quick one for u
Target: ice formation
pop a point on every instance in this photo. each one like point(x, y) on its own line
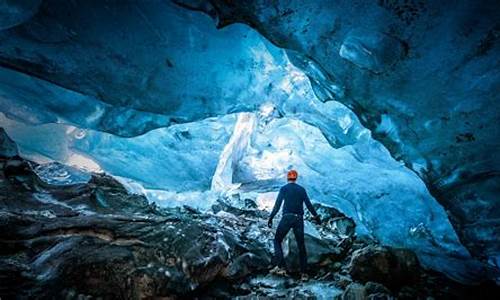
point(383, 115)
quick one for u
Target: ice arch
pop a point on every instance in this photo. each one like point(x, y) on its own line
point(128, 98)
point(388, 202)
point(247, 155)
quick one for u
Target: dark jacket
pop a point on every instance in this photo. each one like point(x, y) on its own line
point(294, 197)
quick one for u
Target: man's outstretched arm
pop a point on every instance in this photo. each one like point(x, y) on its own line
point(277, 206)
point(310, 207)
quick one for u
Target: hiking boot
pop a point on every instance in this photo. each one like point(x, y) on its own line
point(278, 271)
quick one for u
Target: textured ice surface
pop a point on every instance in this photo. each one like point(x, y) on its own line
point(130, 68)
point(233, 151)
point(371, 50)
point(421, 75)
point(167, 66)
point(35, 101)
point(179, 158)
point(386, 200)
point(57, 174)
point(7, 146)
point(15, 12)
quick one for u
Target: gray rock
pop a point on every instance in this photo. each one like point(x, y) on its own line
point(354, 291)
point(374, 288)
point(391, 267)
point(342, 281)
point(370, 290)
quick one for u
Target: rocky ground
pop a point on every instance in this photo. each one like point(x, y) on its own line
point(86, 237)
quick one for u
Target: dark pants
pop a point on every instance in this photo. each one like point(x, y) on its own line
point(295, 222)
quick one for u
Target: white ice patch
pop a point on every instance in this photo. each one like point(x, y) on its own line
point(62, 175)
point(388, 127)
point(202, 200)
point(265, 201)
point(222, 179)
point(83, 162)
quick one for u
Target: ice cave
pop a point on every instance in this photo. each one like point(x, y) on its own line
point(143, 145)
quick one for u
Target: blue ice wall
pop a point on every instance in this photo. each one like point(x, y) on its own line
point(167, 66)
point(149, 92)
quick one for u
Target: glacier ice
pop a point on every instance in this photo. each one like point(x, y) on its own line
point(7, 146)
point(181, 157)
point(57, 174)
point(427, 71)
point(120, 94)
point(35, 101)
point(233, 151)
point(13, 13)
point(245, 155)
point(371, 50)
point(178, 70)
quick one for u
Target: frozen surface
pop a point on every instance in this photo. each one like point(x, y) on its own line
point(247, 155)
point(57, 174)
point(7, 146)
point(179, 158)
point(421, 75)
point(150, 92)
point(35, 101)
point(387, 201)
point(279, 285)
point(13, 13)
point(168, 66)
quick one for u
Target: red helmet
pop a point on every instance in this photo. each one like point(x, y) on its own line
point(292, 175)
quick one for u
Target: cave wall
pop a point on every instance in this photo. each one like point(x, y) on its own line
point(422, 76)
point(128, 67)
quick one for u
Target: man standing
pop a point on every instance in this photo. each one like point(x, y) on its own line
point(294, 197)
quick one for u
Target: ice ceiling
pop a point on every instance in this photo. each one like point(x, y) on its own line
point(154, 94)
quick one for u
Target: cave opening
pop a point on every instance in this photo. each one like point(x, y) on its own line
point(146, 141)
point(243, 157)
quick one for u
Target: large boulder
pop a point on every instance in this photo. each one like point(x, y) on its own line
point(325, 244)
point(335, 221)
point(319, 252)
point(371, 291)
point(125, 255)
point(389, 266)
